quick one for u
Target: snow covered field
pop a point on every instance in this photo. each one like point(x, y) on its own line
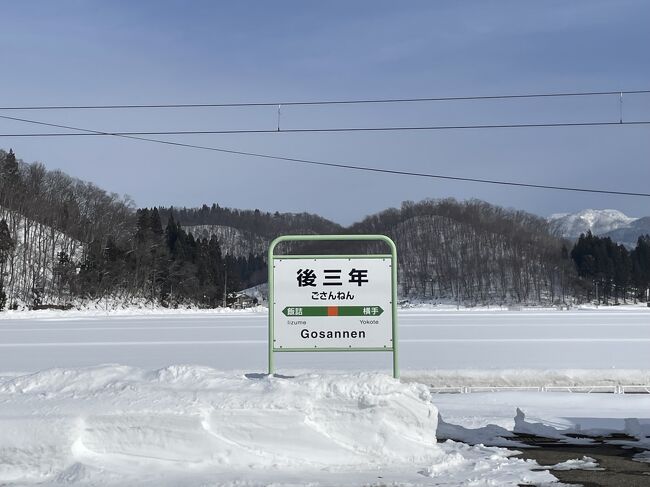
point(65, 419)
point(430, 340)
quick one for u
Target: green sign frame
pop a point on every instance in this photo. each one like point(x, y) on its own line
point(319, 238)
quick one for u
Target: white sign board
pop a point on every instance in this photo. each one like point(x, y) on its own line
point(333, 303)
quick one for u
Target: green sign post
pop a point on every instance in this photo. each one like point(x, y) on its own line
point(331, 303)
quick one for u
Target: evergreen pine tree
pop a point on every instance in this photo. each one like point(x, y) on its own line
point(155, 223)
point(6, 244)
point(10, 180)
point(3, 296)
point(641, 266)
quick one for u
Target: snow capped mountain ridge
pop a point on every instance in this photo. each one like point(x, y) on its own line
point(571, 225)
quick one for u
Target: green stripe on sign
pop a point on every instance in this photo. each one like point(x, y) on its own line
point(332, 311)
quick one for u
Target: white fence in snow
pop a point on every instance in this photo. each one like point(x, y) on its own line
point(600, 389)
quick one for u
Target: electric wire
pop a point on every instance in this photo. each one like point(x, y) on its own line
point(349, 166)
point(324, 129)
point(329, 102)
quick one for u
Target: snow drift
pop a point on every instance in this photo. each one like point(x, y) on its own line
point(182, 425)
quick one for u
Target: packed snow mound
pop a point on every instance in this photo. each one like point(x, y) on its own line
point(598, 221)
point(346, 420)
point(485, 468)
point(186, 425)
point(584, 463)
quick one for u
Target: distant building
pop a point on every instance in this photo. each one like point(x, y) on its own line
point(240, 300)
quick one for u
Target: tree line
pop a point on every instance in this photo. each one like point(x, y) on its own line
point(63, 240)
point(609, 271)
point(261, 223)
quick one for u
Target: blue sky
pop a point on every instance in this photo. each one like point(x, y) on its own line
point(90, 52)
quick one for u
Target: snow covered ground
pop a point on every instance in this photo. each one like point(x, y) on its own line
point(65, 419)
point(183, 425)
point(593, 414)
point(493, 346)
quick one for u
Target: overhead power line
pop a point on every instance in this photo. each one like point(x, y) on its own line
point(349, 166)
point(324, 129)
point(328, 102)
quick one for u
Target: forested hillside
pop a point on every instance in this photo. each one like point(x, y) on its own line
point(49, 224)
point(244, 232)
point(474, 253)
point(256, 222)
point(232, 240)
point(64, 241)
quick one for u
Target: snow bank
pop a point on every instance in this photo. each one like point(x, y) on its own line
point(581, 419)
point(188, 415)
point(637, 430)
point(584, 463)
point(485, 466)
point(185, 425)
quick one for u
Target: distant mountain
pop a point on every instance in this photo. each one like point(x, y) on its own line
point(571, 225)
point(629, 235)
point(609, 223)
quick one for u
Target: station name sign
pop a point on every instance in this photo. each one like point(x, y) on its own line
point(332, 303)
